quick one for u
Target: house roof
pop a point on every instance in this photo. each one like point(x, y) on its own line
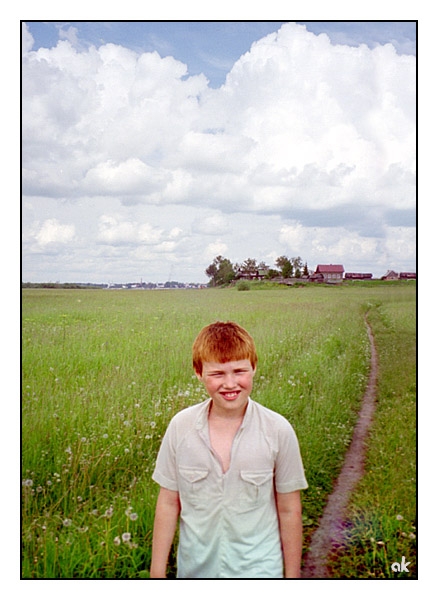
point(329, 269)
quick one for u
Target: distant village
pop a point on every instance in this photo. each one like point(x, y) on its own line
point(324, 274)
point(331, 274)
point(328, 274)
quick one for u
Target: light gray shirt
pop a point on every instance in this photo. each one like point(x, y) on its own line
point(228, 522)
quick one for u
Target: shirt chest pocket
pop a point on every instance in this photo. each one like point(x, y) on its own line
point(193, 486)
point(256, 488)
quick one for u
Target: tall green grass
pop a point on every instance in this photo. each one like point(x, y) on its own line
point(382, 524)
point(103, 373)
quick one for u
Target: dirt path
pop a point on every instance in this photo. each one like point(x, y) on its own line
point(331, 525)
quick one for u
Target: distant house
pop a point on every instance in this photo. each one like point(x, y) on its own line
point(408, 276)
point(317, 277)
point(251, 274)
point(328, 273)
point(390, 276)
point(358, 276)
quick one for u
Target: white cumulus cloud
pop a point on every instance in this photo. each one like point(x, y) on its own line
point(54, 232)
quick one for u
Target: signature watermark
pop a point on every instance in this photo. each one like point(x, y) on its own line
point(400, 567)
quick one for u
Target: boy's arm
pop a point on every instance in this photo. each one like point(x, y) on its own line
point(291, 532)
point(166, 518)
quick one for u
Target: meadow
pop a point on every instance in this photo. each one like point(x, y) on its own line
point(104, 371)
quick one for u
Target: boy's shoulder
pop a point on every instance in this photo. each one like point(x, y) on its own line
point(190, 414)
point(271, 417)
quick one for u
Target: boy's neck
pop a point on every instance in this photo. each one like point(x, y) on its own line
point(216, 412)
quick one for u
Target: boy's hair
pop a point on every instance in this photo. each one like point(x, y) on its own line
point(223, 342)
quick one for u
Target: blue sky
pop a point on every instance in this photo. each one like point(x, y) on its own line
point(212, 47)
point(149, 148)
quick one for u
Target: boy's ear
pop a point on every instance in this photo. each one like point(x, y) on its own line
point(198, 375)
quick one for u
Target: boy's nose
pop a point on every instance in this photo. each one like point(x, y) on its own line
point(229, 382)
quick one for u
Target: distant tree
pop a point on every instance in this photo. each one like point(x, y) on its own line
point(220, 271)
point(211, 270)
point(305, 271)
point(250, 264)
point(285, 265)
point(297, 273)
point(272, 273)
point(297, 263)
point(226, 273)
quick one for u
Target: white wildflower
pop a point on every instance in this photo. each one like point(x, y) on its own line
point(117, 540)
point(126, 537)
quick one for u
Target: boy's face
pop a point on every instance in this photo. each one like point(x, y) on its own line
point(228, 384)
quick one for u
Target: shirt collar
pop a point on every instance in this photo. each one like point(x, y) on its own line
point(202, 419)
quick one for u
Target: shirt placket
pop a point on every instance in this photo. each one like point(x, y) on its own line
point(224, 480)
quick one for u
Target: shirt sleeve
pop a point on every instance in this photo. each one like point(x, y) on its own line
point(289, 470)
point(165, 468)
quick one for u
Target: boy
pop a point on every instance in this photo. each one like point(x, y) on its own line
point(231, 470)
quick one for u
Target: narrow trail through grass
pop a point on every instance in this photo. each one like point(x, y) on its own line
point(329, 533)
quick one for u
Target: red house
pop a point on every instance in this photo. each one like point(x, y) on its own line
point(329, 273)
point(390, 275)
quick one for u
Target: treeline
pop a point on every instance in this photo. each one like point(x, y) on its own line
point(222, 271)
point(64, 286)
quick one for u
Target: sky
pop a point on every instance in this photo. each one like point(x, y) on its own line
point(149, 148)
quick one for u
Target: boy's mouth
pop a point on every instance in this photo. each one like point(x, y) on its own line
point(230, 395)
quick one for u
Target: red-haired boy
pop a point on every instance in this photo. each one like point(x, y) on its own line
point(231, 470)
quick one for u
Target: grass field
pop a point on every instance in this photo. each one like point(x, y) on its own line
point(382, 526)
point(104, 371)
